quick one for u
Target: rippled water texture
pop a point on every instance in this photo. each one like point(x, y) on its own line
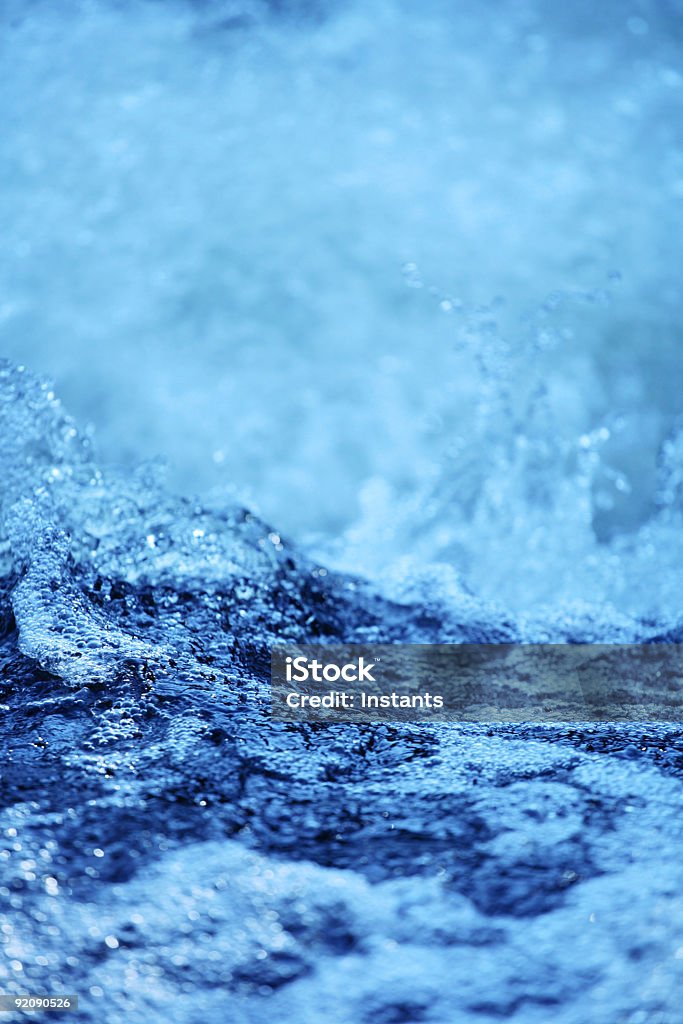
point(394, 292)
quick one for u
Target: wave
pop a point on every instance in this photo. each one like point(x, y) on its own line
point(165, 840)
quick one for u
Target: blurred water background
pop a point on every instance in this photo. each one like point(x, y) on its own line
point(405, 278)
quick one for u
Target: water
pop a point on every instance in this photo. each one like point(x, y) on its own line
point(319, 256)
point(368, 321)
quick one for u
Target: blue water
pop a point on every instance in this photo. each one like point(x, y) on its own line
point(368, 319)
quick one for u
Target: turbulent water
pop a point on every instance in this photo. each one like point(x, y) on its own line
point(403, 280)
point(167, 849)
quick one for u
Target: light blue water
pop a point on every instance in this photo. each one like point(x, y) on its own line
point(406, 279)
